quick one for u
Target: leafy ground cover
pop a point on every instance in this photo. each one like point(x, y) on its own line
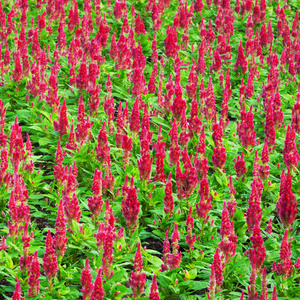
point(149, 149)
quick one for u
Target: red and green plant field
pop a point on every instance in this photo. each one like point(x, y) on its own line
point(149, 149)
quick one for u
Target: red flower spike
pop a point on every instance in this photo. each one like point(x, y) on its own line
point(269, 227)
point(171, 46)
point(296, 113)
point(258, 251)
point(174, 147)
point(218, 269)
point(135, 118)
point(166, 249)
point(290, 153)
point(264, 288)
point(286, 205)
point(168, 199)
point(131, 207)
point(225, 223)
point(274, 294)
point(50, 260)
point(210, 107)
point(212, 283)
point(34, 274)
point(174, 258)
point(62, 124)
point(138, 260)
point(60, 239)
point(139, 26)
point(153, 295)
point(241, 61)
point(204, 205)
point(98, 291)
point(263, 35)
point(284, 267)
point(17, 292)
point(245, 128)
point(190, 238)
point(252, 294)
point(269, 128)
point(107, 256)
point(179, 105)
point(160, 154)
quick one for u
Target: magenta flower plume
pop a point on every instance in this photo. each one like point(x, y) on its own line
point(254, 212)
point(204, 205)
point(241, 60)
point(34, 274)
point(131, 207)
point(168, 199)
point(212, 283)
point(286, 205)
point(95, 202)
point(86, 281)
point(17, 292)
point(290, 153)
point(190, 238)
point(153, 295)
point(62, 124)
point(284, 267)
point(218, 269)
point(135, 124)
point(137, 279)
point(174, 147)
point(174, 258)
point(98, 291)
point(50, 260)
point(60, 239)
point(258, 250)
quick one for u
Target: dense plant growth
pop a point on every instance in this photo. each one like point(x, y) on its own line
point(149, 149)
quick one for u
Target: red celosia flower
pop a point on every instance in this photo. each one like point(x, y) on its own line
point(187, 181)
point(107, 256)
point(284, 267)
point(252, 293)
point(290, 153)
point(131, 207)
point(174, 258)
point(145, 162)
point(137, 279)
point(241, 61)
point(239, 166)
point(263, 35)
point(171, 46)
point(62, 124)
point(86, 281)
point(168, 199)
point(286, 205)
point(179, 104)
point(50, 260)
point(139, 26)
point(98, 292)
point(17, 292)
point(204, 205)
point(218, 269)
point(210, 107)
point(245, 128)
point(153, 295)
point(95, 203)
point(190, 238)
point(60, 239)
point(219, 157)
point(34, 274)
point(254, 212)
point(258, 251)
point(160, 155)
point(135, 118)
